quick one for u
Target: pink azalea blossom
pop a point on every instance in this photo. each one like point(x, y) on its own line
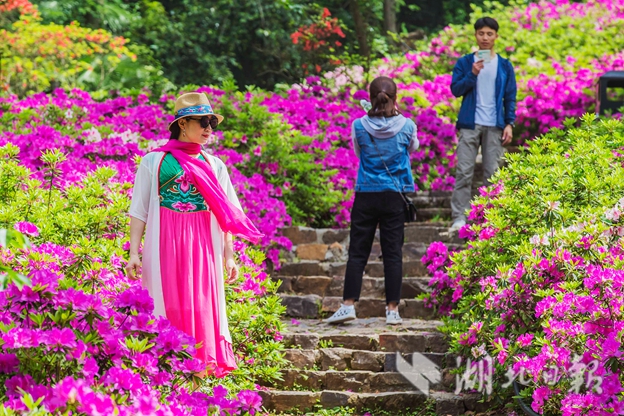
point(27, 228)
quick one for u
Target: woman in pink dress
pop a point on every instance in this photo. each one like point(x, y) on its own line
point(185, 202)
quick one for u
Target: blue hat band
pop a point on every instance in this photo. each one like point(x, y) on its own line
point(196, 109)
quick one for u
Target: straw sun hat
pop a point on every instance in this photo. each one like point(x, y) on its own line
point(193, 104)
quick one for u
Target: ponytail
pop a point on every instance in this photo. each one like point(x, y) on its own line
point(383, 95)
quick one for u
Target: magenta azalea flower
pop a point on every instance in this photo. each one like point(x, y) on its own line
point(9, 363)
point(250, 401)
point(487, 233)
point(27, 228)
point(59, 339)
point(525, 340)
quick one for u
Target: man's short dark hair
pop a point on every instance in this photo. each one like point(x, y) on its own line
point(486, 22)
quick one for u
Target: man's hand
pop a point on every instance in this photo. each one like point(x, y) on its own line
point(477, 67)
point(133, 268)
point(507, 135)
point(232, 271)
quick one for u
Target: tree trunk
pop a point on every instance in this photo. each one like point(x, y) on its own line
point(360, 27)
point(390, 16)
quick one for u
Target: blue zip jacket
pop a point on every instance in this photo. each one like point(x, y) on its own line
point(395, 137)
point(464, 85)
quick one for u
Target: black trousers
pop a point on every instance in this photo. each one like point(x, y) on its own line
point(370, 209)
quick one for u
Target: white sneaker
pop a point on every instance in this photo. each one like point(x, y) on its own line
point(393, 317)
point(343, 314)
point(457, 224)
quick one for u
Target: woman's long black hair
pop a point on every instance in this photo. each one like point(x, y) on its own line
point(175, 130)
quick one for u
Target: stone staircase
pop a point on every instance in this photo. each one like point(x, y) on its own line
point(354, 365)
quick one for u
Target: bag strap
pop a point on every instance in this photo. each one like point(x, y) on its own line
point(387, 170)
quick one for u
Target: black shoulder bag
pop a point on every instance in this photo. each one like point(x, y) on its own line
point(410, 208)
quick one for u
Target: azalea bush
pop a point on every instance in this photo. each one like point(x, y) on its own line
point(62, 329)
point(111, 133)
point(10, 10)
point(290, 153)
point(320, 42)
point(559, 50)
point(254, 312)
point(312, 109)
point(41, 57)
point(262, 146)
point(539, 287)
point(551, 86)
point(87, 342)
point(437, 259)
point(90, 214)
point(535, 35)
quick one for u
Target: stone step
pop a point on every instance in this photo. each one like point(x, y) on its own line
point(388, 342)
point(410, 268)
point(430, 214)
point(425, 200)
point(442, 199)
point(433, 195)
point(341, 359)
point(413, 251)
point(418, 236)
point(356, 381)
point(372, 287)
point(373, 268)
point(306, 235)
point(426, 233)
point(328, 236)
point(362, 334)
point(314, 306)
point(361, 326)
point(410, 251)
point(340, 253)
point(399, 402)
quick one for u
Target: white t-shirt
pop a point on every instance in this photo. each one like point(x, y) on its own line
point(486, 93)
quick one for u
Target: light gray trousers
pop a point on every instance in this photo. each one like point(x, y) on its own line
point(489, 138)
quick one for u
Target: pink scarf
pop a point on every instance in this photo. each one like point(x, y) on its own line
point(231, 219)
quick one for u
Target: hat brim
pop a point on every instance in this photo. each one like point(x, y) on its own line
point(175, 120)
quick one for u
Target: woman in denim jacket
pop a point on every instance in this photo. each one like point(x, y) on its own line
point(382, 133)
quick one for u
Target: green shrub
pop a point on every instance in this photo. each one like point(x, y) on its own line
point(90, 218)
point(41, 57)
point(554, 33)
point(281, 153)
point(539, 236)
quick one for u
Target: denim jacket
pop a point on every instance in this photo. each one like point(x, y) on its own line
point(464, 84)
point(395, 138)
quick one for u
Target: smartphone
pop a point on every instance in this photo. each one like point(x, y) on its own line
point(484, 55)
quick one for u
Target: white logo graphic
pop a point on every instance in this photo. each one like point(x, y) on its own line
point(420, 373)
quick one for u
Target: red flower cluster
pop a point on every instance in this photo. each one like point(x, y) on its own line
point(319, 34)
point(24, 6)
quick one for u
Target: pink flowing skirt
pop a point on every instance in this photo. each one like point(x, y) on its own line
point(189, 284)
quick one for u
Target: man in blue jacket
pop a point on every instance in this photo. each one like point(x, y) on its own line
point(487, 83)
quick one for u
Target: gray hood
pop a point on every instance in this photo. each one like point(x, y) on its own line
point(383, 127)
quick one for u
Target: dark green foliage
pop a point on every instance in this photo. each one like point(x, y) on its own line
point(199, 42)
point(431, 16)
